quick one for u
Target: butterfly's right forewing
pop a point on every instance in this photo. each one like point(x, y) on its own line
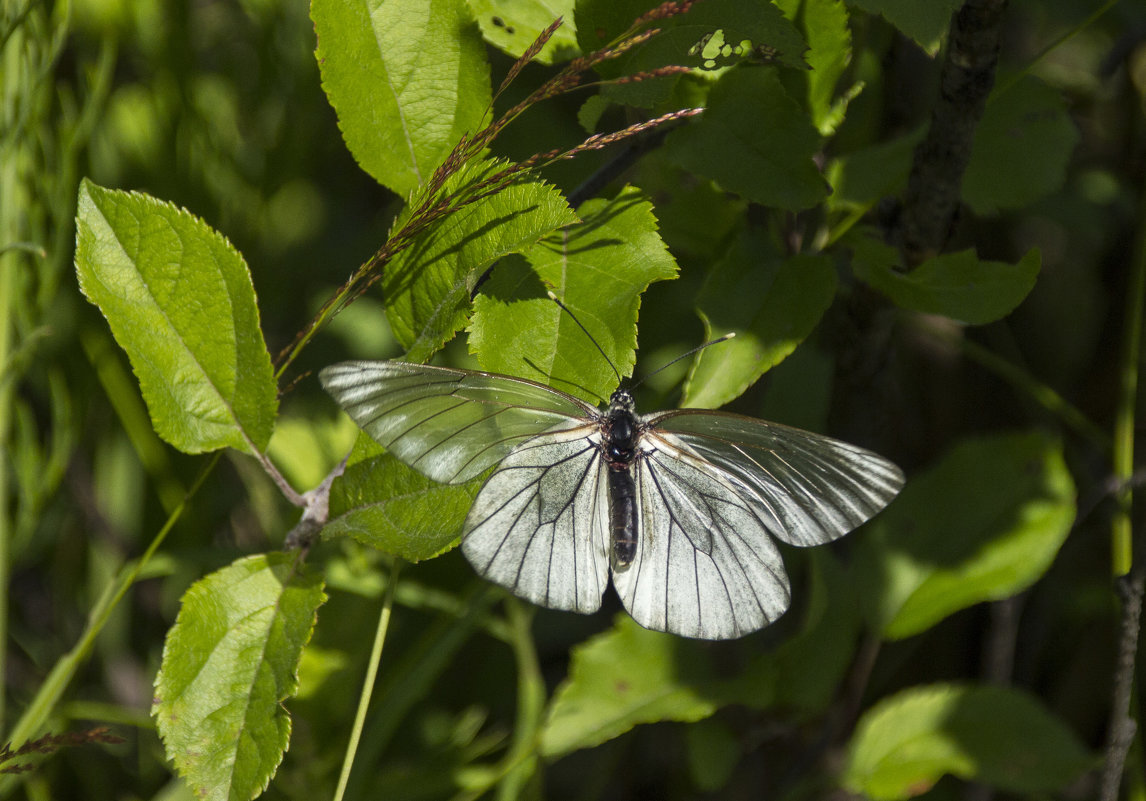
point(539, 525)
point(450, 425)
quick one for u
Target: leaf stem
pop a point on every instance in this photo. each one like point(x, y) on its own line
point(368, 682)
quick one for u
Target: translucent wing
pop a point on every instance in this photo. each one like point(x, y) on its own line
point(450, 425)
point(705, 565)
point(538, 526)
point(807, 489)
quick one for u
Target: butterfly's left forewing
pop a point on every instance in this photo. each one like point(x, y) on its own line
point(705, 565)
point(451, 425)
point(539, 525)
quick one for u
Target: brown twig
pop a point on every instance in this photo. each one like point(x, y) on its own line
point(1120, 733)
point(966, 79)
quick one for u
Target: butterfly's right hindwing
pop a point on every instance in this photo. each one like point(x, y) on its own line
point(539, 525)
point(450, 425)
point(705, 565)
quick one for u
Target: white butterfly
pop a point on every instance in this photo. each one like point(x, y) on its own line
point(680, 507)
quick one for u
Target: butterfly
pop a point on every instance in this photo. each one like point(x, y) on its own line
point(681, 508)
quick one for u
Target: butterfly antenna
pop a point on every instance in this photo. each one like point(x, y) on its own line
point(601, 350)
point(716, 341)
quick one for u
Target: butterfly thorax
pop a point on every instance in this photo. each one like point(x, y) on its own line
point(622, 429)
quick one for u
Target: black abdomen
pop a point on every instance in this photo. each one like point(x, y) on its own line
point(623, 514)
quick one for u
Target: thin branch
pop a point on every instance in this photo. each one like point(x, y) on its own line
point(1120, 733)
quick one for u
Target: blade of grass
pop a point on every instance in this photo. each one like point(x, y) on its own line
point(1123, 457)
point(38, 712)
point(368, 681)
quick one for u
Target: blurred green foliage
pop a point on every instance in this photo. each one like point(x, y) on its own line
point(219, 108)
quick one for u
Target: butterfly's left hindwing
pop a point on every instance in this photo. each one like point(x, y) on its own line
point(539, 525)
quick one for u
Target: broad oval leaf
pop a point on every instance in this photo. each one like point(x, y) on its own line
point(983, 524)
point(622, 678)
point(180, 302)
point(406, 77)
point(755, 140)
point(427, 286)
point(229, 662)
point(996, 736)
point(1021, 149)
point(771, 303)
point(956, 285)
point(386, 505)
point(599, 269)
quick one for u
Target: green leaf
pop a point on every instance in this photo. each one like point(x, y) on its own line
point(388, 506)
point(179, 300)
point(824, 23)
point(1021, 150)
point(599, 270)
point(926, 23)
point(623, 678)
point(696, 218)
point(229, 662)
point(754, 140)
point(713, 751)
point(769, 302)
point(956, 285)
point(983, 524)
point(712, 35)
point(406, 77)
point(427, 286)
point(996, 736)
point(513, 25)
point(863, 177)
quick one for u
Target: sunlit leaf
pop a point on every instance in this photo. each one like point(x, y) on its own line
point(996, 736)
point(229, 662)
point(984, 523)
point(393, 508)
point(512, 26)
point(623, 678)
point(771, 303)
point(598, 269)
point(179, 300)
point(407, 79)
point(427, 286)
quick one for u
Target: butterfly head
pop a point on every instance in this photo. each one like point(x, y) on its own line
point(621, 400)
